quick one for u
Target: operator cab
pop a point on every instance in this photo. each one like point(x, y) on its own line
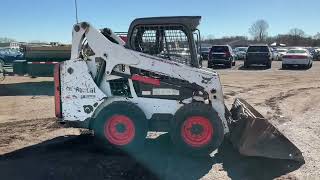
point(174, 38)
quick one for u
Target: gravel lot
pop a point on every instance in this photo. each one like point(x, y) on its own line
point(34, 146)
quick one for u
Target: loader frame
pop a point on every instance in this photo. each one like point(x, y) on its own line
point(82, 98)
point(121, 92)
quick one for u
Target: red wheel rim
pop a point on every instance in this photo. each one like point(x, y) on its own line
point(197, 131)
point(119, 130)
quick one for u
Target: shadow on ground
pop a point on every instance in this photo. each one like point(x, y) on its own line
point(27, 89)
point(75, 157)
point(295, 68)
point(220, 67)
point(253, 68)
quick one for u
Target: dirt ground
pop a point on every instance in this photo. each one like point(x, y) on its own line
point(34, 146)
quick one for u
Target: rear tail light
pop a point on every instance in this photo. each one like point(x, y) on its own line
point(227, 54)
point(57, 91)
point(294, 57)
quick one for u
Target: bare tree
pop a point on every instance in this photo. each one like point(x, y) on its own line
point(317, 36)
point(258, 30)
point(210, 36)
point(297, 33)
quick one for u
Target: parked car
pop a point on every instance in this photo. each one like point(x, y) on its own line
point(7, 55)
point(240, 52)
point(2, 71)
point(205, 52)
point(258, 54)
point(275, 54)
point(221, 54)
point(281, 52)
point(312, 51)
point(300, 57)
point(317, 54)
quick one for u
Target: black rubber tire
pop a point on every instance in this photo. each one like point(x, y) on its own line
point(134, 113)
point(229, 64)
point(283, 66)
point(304, 66)
point(246, 65)
point(196, 109)
point(269, 64)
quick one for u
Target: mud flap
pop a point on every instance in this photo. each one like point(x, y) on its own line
point(253, 135)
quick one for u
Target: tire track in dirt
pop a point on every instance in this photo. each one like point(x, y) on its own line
point(243, 90)
point(18, 130)
point(274, 101)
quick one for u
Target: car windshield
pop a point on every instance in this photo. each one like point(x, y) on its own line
point(205, 49)
point(258, 49)
point(296, 51)
point(169, 42)
point(220, 49)
point(241, 49)
point(282, 50)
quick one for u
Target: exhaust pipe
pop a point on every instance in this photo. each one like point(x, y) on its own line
point(253, 135)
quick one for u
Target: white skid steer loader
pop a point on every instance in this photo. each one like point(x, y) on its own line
point(121, 90)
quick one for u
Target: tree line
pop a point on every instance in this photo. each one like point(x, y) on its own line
point(9, 40)
point(6, 40)
point(259, 33)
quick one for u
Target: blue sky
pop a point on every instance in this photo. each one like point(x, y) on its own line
point(52, 20)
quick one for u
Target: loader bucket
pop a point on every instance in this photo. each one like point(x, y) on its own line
point(253, 135)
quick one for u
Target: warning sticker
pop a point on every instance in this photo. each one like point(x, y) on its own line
point(165, 92)
point(146, 93)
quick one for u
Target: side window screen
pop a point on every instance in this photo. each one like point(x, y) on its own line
point(169, 42)
point(148, 42)
point(149, 36)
